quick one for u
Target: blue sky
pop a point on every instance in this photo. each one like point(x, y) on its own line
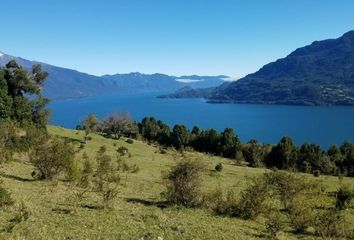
point(207, 37)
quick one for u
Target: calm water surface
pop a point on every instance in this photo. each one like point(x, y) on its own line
point(266, 123)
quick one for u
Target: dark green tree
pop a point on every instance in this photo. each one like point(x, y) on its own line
point(24, 94)
point(180, 136)
point(283, 155)
point(229, 143)
point(5, 99)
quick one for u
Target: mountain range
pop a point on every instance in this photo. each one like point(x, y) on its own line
point(321, 73)
point(67, 83)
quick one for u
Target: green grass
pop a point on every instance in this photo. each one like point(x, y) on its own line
point(54, 215)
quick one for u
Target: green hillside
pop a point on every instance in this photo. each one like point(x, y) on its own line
point(55, 214)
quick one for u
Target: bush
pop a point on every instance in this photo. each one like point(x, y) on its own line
point(330, 224)
point(218, 167)
point(287, 185)
point(52, 157)
point(343, 197)
point(224, 204)
point(316, 173)
point(183, 183)
point(130, 141)
point(274, 224)
point(8, 140)
point(122, 151)
point(302, 212)
point(5, 197)
point(253, 199)
point(106, 179)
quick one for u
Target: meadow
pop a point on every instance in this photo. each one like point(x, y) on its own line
point(137, 213)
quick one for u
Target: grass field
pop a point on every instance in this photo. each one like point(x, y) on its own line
point(135, 214)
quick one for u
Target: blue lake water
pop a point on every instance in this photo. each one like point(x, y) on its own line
point(265, 123)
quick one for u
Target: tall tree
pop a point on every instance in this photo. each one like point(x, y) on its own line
point(23, 94)
point(283, 155)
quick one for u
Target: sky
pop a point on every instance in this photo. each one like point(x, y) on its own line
point(176, 37)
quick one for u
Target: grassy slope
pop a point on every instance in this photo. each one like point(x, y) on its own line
point(132, 216)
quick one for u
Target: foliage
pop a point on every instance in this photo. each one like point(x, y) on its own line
point(183, 183)
point(254, 153)
point(119, 125)
point(253, 199)
point(8, 140)
point(52, 157)
point(218, 167)
point(20, 95)
point(106, 179)
point(330, 224)
point(274, 224)
point(302, 212)
point(283, 155)
point(90, 124)
point(5, 197)
point(344, 196)
point(288, 185)
point(122, 151)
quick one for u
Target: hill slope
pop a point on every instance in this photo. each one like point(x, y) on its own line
point(54, 213)
point(319, 74)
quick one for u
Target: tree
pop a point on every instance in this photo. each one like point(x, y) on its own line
point(90, 124)
point(348, 163)
point(20, 95)
point(180, 136)
point(253, 154)
point(119, 125)
point(310, 157)
point(283, 155)
point(336, 157)
point(5, 99)
point(229, 144)
point(164, 133)
point(149, 128)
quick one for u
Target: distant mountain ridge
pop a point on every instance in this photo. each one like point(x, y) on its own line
point(68, 83)
point(318, 74)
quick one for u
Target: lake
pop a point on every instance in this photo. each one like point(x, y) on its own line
point(265, 123)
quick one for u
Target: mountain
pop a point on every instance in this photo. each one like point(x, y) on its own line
point(319, 74)
point(68, 83)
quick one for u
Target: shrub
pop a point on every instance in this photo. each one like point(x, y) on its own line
point(330, 224)
point(287, 185)
point(52, 157)
point(253, 199)
point(274, 224)
point(122, 151)
point(316, 173)
point(5, 197)
point(106, 178)
point(343, 197)
point(225, 204)
point(218, 167)
point(183, 183)
point(8, 140)
point(21, 214)
point(301, 212)
point(130, 141)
